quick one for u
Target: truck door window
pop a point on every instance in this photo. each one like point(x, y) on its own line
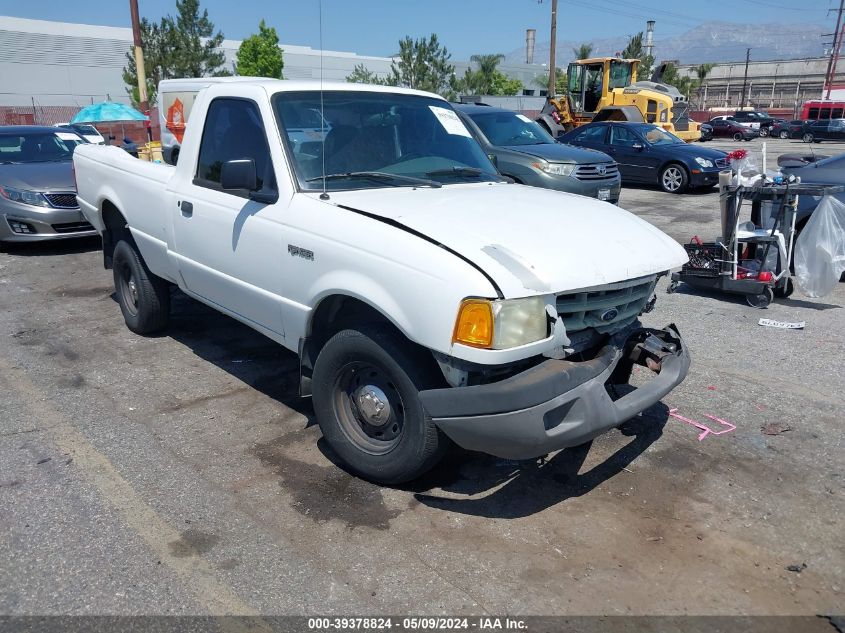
point(233, 130)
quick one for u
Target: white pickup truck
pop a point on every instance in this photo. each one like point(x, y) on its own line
point(428, 298)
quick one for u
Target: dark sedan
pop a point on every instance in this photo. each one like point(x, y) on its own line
point(733, 129)
point(830, 130)
point(787, 129)
point(649, 154)
point(706, 132)
point(37, 192)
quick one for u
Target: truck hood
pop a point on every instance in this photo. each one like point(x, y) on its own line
point(561, 153)
point(529, 240)
point(38, 176)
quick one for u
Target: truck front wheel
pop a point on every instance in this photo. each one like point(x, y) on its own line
point(365, 388)
point(143, 297)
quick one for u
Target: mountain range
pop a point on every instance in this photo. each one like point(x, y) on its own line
point(709, 42)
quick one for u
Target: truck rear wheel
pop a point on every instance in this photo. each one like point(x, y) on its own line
point(365, 387)
point(144, 298)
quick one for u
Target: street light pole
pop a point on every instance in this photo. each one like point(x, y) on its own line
point(552, 46)
point(139, 61)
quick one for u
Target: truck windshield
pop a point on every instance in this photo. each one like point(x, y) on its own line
point(418, 139)
point(620, 75)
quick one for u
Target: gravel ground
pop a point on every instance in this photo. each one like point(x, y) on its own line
point(180, 474)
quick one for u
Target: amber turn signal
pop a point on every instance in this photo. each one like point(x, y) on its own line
point(474, 325)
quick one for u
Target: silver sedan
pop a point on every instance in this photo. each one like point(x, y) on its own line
point(37, 191)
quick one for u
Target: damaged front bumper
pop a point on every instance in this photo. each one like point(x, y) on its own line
point(559, 403)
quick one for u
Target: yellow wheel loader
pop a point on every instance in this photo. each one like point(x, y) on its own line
point(606, 88)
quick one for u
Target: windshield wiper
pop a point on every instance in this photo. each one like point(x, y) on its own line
point(456, 170)
point(379, 175)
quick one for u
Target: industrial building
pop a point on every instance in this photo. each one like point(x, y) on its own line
point(47, 65)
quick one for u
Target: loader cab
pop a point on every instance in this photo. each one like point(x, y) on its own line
point(590, 80)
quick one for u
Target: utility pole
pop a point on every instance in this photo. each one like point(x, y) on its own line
point(745, 79)
point(837, 42)
point(552, 47)
point(139, 60)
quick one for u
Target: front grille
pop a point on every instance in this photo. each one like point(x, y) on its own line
point(72, 227)
point(723, 163)
point(583, 310)
point(62, 200)
point(680, 116)
point(594, 171)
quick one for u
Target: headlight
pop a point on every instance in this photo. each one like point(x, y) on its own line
point(555, 169)
point(704, 162)
point(501, 324)
point(32, 198)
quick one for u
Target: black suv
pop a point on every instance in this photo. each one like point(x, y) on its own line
point(750, 116)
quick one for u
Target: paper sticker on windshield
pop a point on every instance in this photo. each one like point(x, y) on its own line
point(67, 136)
point(522, 117)
point(450, 121)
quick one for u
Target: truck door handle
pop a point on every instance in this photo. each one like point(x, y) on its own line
point(187, 208)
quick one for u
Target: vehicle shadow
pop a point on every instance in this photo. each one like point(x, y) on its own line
point(738, 299)
point(57, 247)
point(698, 191)
point(239, 350)
point(522, 489)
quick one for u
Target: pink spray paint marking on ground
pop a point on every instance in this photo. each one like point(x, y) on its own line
point(705, 430)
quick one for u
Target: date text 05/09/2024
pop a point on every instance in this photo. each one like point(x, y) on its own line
point(485, 623)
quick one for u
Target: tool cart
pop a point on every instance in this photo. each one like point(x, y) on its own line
point(751, 258)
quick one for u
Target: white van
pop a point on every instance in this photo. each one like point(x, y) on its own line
point(175, 101)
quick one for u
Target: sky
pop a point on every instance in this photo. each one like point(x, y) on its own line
point(465, 27)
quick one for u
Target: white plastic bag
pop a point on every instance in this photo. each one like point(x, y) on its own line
point(820, 249)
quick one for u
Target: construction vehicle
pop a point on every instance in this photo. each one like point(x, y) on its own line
point(606, 88)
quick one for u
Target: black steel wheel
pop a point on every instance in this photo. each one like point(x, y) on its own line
point(762, 300)
point(143, 297)
point(366, 384)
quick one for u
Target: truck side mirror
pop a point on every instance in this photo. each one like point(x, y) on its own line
point(239, 174)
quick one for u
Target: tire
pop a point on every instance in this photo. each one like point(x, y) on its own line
point(359, 374)
point(764, 132)
point(807, 138)
point(143, 297)
point(786, 291)
point(737, 136)
point(174, 156)
point(674, 178)
point(762, 300)
point(783, 134)
point(672, 287)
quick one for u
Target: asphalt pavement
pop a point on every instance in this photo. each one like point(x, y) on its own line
point(181, 474)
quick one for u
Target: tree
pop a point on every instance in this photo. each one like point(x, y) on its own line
point(561, 84)
point(584, 51)
point(174, 48)
point(423, 64)
point(635, 50)
point(156, 65)
point(259, 55)
point(684, 83)
point(193, 57)
point(701, 72)
point(501, 84)
point(361, 75)
point(486, 68)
